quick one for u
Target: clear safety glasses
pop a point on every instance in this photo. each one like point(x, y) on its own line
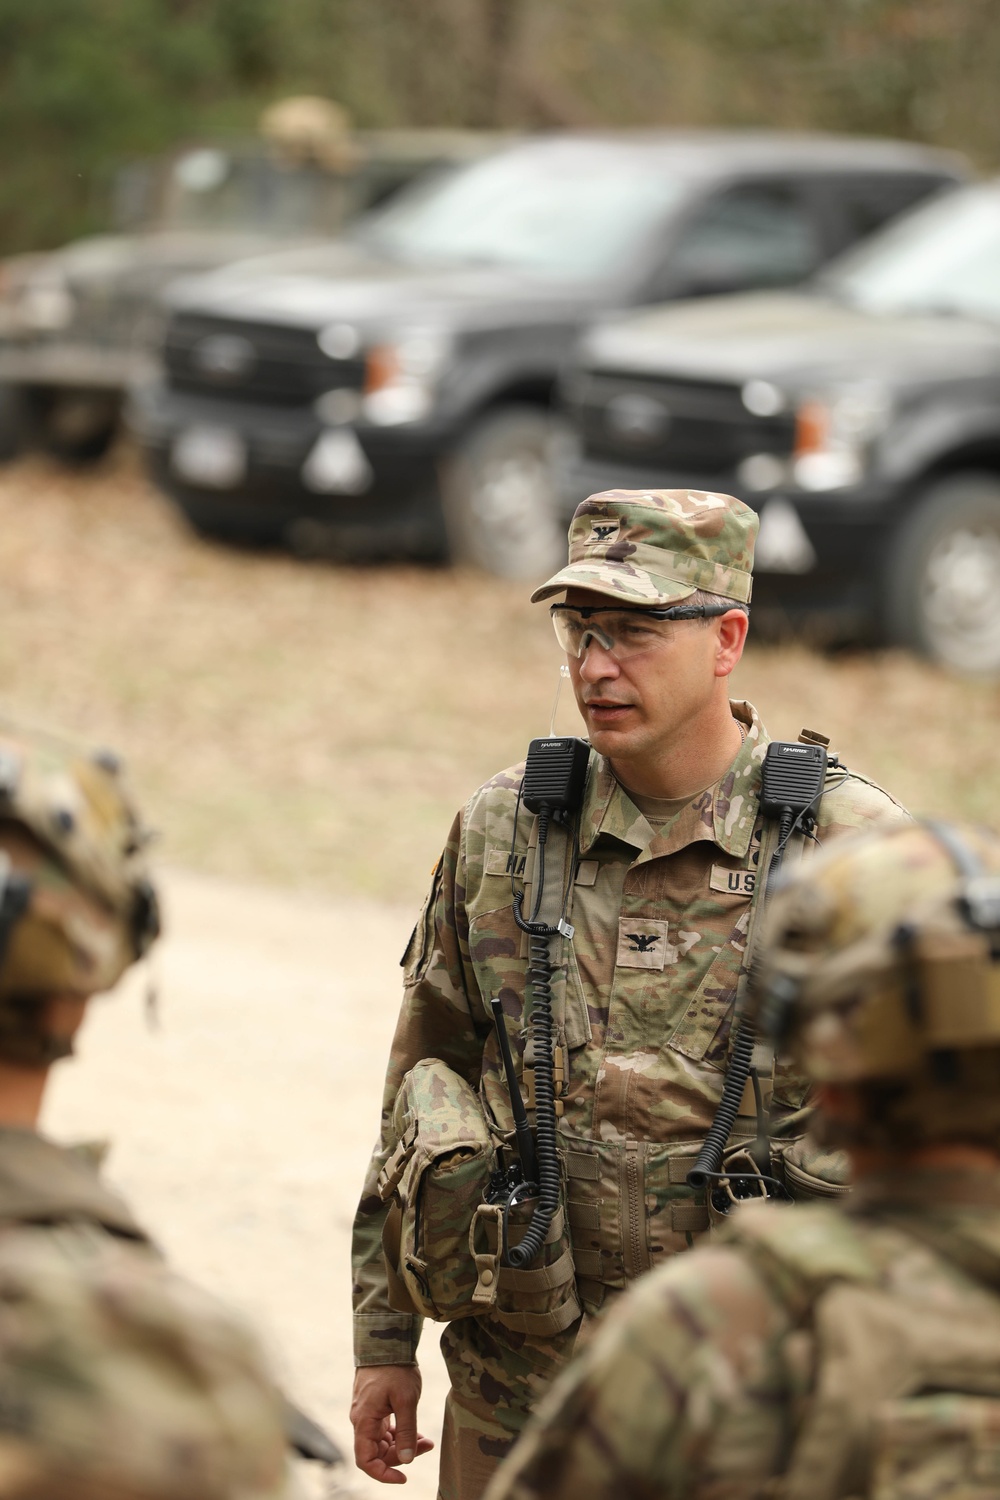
point(621, 630)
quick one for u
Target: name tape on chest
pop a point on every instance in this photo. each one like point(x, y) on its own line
point(502, 862)
point(733, 882)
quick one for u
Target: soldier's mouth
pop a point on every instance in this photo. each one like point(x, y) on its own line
point(607, 712)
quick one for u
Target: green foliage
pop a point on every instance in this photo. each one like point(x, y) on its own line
point(85, 84)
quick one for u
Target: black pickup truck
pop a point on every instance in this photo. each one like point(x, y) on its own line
point(390, 393)
point(861, 417)
point(77, 325)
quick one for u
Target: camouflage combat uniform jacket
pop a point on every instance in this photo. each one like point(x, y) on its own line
point(810, 1353)
point(643, 1006)
point(116, 1377)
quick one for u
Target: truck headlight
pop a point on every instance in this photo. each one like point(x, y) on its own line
point(46, 306)
point(401, 377)
point(834, 434)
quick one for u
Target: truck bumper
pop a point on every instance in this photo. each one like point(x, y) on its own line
point(285, 477)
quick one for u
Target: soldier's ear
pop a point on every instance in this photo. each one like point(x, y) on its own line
point(731, 637)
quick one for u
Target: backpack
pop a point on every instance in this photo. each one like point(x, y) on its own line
point(905, 1398)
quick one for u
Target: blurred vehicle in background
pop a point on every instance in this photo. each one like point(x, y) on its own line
point(861, 417)
point(392, 393)
point(77, 325)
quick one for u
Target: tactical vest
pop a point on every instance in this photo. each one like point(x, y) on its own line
point(905, 1398)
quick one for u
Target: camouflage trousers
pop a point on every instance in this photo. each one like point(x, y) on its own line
point(497, 1378)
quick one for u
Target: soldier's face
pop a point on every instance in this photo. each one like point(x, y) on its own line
point(637, 708)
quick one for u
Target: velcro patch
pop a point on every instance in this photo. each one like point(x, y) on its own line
point(733, 882)
point(603, 531)
point(502, 862)
point(643, 945)
point(586, 871)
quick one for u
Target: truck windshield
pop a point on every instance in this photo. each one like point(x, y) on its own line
point(562, 211)
point(211, 189)
point(942, 259)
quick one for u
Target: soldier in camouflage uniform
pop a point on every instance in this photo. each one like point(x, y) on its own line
point(670, 838)
point(116, 1378)
point(814, 1353)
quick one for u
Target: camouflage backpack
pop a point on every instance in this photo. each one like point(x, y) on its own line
point(905, 1397)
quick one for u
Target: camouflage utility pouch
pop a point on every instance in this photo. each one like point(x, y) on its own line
point(434, 1180)
point(540, 1300)
point(812, 1173)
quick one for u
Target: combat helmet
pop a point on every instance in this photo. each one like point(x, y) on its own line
point(880, 968)
point(77, 906)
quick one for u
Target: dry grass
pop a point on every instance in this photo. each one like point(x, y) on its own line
point(315, 725)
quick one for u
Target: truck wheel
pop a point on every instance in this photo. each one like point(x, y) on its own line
point(944, 575)
point(78, 429)
point(13, 422)
point(499, 492)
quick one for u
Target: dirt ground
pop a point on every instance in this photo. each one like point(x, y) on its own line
point(302, 735)
point(241, 1127)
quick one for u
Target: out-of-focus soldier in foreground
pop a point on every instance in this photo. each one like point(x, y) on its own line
point(830, 1351)
point(117, 1379)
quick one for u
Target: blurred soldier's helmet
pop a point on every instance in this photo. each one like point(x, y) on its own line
point(880, 967)
point(309, 128)
point(76, 903)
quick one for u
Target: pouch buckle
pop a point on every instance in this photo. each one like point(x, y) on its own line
point(487, 1262)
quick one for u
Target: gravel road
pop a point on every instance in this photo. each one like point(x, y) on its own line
point(240, 1128)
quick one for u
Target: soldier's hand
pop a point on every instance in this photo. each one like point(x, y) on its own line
point(384, 1417)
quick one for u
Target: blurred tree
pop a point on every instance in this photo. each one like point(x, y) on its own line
point(86, 83)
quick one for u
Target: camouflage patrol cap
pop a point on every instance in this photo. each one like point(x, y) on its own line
point(658, 546)
point(881, 964)
point(76, 903)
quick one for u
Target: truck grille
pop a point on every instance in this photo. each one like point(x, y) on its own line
point(253, 361)
point(692, 426)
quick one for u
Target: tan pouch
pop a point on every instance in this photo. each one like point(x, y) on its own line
point(812, 1173)
point(434, 1181)
point(539, 1301)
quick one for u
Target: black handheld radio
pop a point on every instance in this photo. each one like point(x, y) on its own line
point(555, 773)
point(792, 781)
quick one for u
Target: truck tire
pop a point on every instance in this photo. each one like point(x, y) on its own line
point(77, 428)
point(13, 422)
point(943, 579)
point(499, 491)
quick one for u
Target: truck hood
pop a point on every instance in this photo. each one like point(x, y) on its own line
point(345, 280)
point(792, 339)
point(114, 263)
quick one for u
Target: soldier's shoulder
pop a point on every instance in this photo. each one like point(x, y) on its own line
point(713, 1276)
point(852, 800)
point(124, 1371)
point(802, 1249)
point(496, 797)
